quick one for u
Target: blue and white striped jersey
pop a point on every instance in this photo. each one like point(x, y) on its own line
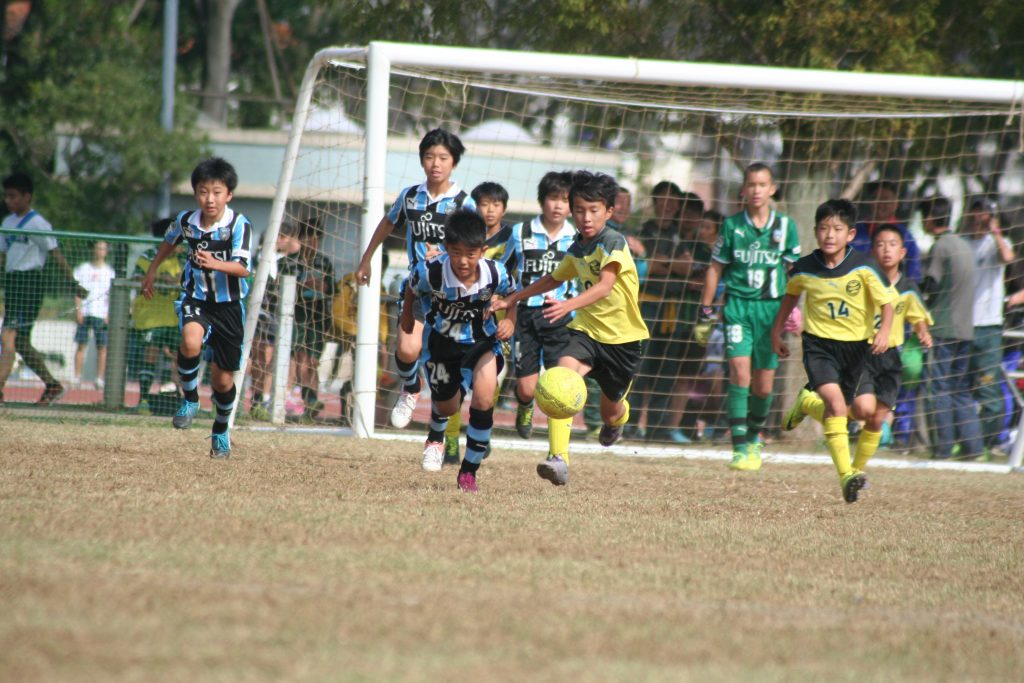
point(539, 255)
point(456, 311)
point(423, 217)
point(229, 240)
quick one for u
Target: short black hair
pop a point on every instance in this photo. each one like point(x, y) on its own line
point(554, 182)
point(843, 209)
point(490, 190)
point(666, 188)
point(448, 140)
point(465, 227)
point(936, 208)
point(593, 187)
point(716, 217)
point(309, 226)
point(215, 168)
point(872, 188)
point(691, 201)
point(21, 182)
point(755, 168)
point(158, 228)
point(887, 227)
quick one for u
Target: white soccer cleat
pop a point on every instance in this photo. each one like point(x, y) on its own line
point(401, 414)
point(433, 456)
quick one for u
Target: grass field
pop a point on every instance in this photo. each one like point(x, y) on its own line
point(127, 555)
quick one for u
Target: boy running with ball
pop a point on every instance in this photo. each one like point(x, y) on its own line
point(463, 348)
point(607, 334)
point(844, 289)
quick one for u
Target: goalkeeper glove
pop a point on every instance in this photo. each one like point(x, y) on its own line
point(706, 321)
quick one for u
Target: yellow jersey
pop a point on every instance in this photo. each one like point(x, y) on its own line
point(840, 302)
point(614, 319)
point(159, 311)
point(908, 308)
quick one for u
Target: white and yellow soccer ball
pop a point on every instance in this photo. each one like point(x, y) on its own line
point(561, 393)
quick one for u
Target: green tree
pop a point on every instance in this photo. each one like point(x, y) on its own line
point(79, 110)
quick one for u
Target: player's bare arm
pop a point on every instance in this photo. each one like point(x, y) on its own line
point(711, 279)
point(165, 250)
point(384, 228)
point(881, 343)
point(544, 284)
point(555, 310)
point(789, 302)
point(923, 334)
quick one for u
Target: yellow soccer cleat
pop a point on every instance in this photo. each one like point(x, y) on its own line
point(739, 461)
point(795, 415)
point(753, 456)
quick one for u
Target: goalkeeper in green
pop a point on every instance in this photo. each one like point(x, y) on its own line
point(754, 251)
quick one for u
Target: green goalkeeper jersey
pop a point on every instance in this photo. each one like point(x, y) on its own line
point(756, 260)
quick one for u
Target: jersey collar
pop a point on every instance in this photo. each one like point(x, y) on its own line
point(750, 221)
point(196, 219)
point(537, 228)
point(450, 280)
point(452, 191)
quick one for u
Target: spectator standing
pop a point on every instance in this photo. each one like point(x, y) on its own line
point(882, 202)
point(992, 253)
point(93, 311)
point(24, 257)
point(949, 276)
point(313, 314)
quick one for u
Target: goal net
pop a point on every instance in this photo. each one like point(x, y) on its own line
point(677, 137)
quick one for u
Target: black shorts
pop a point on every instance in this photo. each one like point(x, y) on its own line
point(538, 341)
point(309, 334)
point(614, 365)
point(831, 361)
point(882, 376)
point(449, 365)
point(224, 324)
point(23, 297)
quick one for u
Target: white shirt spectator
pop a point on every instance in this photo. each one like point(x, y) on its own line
point(26, 252)
point(97, 280)
point(989, 284)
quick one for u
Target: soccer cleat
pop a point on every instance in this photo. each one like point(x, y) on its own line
point(433, 456)
point(753, 456)
point(609, 435)
point(51, 394)
point(795, 415)
point(143, 407)
point(186, 413)
point(739, 461)
point(467, 482)
point(220, 446)
point(554, 470)
point(524, 420)
point(677, 436)
point(401, 414)
point(451, 451)
point(259, 412)
point(852, 482)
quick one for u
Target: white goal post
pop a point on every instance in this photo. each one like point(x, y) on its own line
point(381, 59)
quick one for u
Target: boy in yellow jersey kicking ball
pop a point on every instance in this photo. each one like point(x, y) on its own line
point(880, 383)
point(843, 290)
point(606, 338)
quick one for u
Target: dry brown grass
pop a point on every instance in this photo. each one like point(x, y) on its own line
point(127, 555)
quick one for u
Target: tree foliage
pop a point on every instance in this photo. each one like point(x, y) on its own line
point(79, 110)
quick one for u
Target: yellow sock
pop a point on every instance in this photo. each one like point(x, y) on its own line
point(838, 441)
point(867, 445)
point(813, 406)
point(558, 437)
point(625, 415)
point(454, 426)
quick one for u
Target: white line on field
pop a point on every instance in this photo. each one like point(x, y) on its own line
point(636, 451)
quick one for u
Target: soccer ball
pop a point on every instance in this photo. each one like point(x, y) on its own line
point(561, 393)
